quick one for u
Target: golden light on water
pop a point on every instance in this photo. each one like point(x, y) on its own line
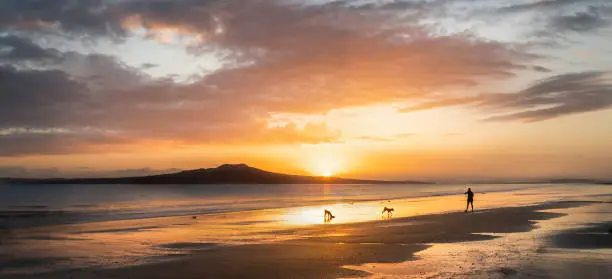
point(343, 212)
point(351, 212)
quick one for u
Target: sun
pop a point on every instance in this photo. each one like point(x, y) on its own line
point(325, 165)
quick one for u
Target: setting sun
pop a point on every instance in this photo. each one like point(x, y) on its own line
point(325, 164)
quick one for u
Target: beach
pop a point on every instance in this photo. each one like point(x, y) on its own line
point(305, 139)
point(518, 232)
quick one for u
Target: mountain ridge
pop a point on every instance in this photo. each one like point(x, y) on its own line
point(223, 174)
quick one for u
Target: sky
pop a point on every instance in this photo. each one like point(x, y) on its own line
point(386, 89)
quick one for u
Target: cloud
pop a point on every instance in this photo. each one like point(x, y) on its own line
point(386, 139)
point(290, 133)
point(439, 103)
point(100, 72)
point(557, 96)
point(542, 5)
point(148, 66)
point(34, 98)
point(14, 48)
point(541, 69)
point(370, 138)
point(582, 21)
point(552, 18)
point(281, 58)
point(87, 17)
point(552, 97)
point(60, 142)
point(48, 112)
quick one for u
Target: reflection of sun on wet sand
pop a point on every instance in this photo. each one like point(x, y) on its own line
point(328, 248)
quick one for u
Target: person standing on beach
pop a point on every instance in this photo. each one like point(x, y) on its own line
point(470, 199)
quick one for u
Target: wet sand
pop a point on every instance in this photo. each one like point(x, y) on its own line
point(326, 251)
point(594, 236)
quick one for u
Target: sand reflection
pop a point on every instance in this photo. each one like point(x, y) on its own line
point(373, 210)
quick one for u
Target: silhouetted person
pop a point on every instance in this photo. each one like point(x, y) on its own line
point(327, 216)
point(470, 199)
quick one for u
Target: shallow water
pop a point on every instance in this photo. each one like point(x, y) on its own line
point(118, 225)
point(87, 203)
point(514, 255)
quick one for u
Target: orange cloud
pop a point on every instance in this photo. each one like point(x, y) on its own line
point(441, 103)
point(284, 59)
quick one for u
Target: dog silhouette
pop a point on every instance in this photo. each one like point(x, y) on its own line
point(327, 216)
point(388, 210)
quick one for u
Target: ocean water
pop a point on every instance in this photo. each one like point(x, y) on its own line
point(66, 204)
point(53, 227)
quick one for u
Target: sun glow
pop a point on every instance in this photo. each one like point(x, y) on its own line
point(325, 165)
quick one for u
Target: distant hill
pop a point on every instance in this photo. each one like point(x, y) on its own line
point(225, 174)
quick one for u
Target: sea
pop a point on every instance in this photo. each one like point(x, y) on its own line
point(53, 227)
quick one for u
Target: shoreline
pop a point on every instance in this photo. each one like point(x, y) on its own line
point(36, 216)
point(30, 215)
point(325, 250)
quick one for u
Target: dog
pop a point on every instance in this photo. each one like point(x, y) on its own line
point(327, 216)
point(388, 210)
